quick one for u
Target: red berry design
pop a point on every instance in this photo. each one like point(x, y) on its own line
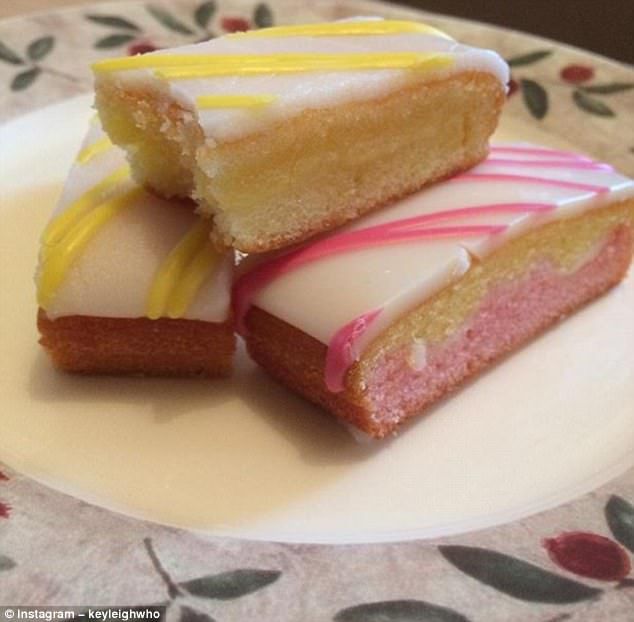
point(5, 510)
point(513, 87)
point(589, 555)
point(576, 74)
point(235, 24)
point(141, 47)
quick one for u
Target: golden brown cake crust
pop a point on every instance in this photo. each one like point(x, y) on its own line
point(297, 360)
point(138, 346)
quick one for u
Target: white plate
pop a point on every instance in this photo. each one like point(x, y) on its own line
point(247, 459)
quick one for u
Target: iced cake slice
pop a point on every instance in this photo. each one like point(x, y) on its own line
point(128, 283)
point(382, 318)
point(285, 132)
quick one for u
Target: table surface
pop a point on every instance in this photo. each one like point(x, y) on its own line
point(562, 21)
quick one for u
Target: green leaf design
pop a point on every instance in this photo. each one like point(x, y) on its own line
point(114, 21)
point(113, 41)
point(399, 611)
point(535, 98)
point(262, 15)
point(25, 78)
point(191, 615)
point(515, 577)
point(592, 105)
point(232, 584)
point(168, 20)
point(9, 56)
point(204, 13)
point(40, 47)
point(620, 516)
point(528, 59)
point(6, 563)
point(608, 89)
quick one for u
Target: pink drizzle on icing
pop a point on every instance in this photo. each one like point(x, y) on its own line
point(538, 151)
point(578, 164)
point(341, 352)
point(573, 185)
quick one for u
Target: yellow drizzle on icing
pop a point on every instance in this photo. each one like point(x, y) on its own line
point(334, 29)
point(92, 151)
point(61, 256)
point(206, 102)
point(197, 272)
point(338, 29)
point(181, 274)
point(297, 63)
point(202, 65)
point(61, 225)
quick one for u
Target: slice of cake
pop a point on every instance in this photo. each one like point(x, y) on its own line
point(380, 319)
point(128, 283)
point(285, 132)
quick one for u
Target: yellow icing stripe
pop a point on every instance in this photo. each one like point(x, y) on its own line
point(153, 61)
point(61, 257)
point(191, 281)
point(338, 29)
point(309, 62)
point(60, 225)
point(367, 27)
point(92, 151)
point(169, 274)
point(205, 102)
point(227, 64)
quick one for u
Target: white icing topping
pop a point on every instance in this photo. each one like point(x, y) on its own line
point(321, 297)
point(296, 92)
point(112, 276)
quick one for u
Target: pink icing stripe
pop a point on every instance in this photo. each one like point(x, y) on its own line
point(379, 236)
point(529, 179)
point(573, 164)
point(537, 151)
point(493, 208)
point(341, 353)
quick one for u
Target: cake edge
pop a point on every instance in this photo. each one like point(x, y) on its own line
point(138, 346)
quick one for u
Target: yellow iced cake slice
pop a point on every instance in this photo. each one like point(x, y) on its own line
point(285, 132)
point(128, 283)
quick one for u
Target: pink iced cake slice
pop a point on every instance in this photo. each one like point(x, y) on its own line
point(382, 318)
point(128, 283)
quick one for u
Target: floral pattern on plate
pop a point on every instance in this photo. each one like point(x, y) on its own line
point(573, 562)
point(586, 94)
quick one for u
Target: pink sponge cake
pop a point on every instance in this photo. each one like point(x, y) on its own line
point(129, 283)
point(380, 319)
